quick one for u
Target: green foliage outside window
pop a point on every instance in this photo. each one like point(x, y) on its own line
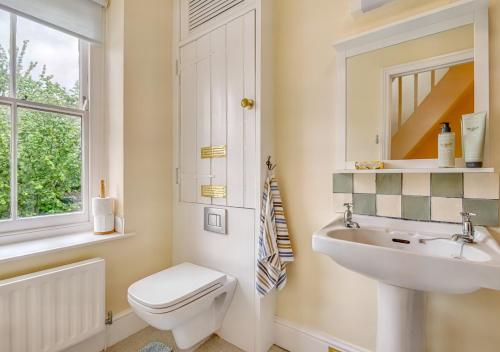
point(48, 144)
point(4, 162)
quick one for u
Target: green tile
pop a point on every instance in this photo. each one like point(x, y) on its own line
point(447, 185)
point(364, 204)
point(342, 183)
point(416, 208)
point(486, 211)
point(389, 184)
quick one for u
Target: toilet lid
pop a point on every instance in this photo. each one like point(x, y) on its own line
point(174, 285)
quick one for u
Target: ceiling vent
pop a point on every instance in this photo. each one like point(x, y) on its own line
point(203, 11)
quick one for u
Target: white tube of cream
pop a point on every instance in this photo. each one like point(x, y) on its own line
point(473, 133)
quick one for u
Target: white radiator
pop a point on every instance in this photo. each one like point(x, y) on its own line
point(50, 310)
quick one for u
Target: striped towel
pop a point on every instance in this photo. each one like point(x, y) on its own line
point(275, 249)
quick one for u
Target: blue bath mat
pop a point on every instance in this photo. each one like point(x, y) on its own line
point(156, 347)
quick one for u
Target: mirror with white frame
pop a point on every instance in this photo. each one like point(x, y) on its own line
point(399, 83)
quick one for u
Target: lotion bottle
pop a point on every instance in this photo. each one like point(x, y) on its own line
point(473, 133)
point(446, 146)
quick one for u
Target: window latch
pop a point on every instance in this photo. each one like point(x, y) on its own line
point(85, 103)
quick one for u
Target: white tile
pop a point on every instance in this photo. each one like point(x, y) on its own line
point(389, 205)
point(364, 183)
point(446, 209)
point(339, 199)
point(481, 185)
point(417, 184)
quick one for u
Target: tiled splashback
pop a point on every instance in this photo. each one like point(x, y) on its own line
point(421, 196)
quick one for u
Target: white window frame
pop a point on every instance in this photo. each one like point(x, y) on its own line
point(54, 224)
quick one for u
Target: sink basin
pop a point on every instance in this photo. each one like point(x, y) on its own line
point(399, 255)
point(391, 251)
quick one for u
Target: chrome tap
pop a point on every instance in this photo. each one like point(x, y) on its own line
point(467, 235)
point(348, 217)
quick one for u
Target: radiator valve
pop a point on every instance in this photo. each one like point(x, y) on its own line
point(109, 318)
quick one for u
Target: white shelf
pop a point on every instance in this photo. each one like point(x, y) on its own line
point(452, 170)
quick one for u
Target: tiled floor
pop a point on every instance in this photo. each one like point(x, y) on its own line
point(135, 342)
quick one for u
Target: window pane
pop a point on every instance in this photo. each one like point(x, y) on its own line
point(48, 67)
point(4, 52)
point(49, 163)
point(4, 162)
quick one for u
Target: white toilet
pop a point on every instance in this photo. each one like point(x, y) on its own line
point(188, 299)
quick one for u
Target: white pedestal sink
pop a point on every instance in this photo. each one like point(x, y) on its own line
point(390, 251)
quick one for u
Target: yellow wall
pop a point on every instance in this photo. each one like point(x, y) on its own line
point(364, 75)
point(113, 85)
point(148, 124)
point(321, 294)
point(140, 57)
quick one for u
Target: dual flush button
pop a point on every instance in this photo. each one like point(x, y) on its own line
point(215, 220)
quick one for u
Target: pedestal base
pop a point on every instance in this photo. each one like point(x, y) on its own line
point(400, 323)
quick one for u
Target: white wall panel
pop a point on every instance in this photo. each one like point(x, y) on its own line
point(232, 254)
point(219, 99)
point(249, 127)
point(203, 127)
point(233, 76)
point(188, 115)
point(235, 114)
point(218, 71)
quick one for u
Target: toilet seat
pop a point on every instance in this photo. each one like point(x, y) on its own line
point(172, 308)
point(175, 287)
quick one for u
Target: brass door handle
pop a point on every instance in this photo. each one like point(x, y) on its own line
point(247, 103)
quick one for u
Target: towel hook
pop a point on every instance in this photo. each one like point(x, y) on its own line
point(270, 166)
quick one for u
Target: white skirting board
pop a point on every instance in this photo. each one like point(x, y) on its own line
point(288, 335)
point(124, 324)
point(296, 338)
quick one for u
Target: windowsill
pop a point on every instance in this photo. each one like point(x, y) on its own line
point(22, 250)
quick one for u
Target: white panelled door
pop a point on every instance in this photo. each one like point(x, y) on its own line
point(217, 72)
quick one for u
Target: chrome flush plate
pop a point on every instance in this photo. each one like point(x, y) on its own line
point(215, 220)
